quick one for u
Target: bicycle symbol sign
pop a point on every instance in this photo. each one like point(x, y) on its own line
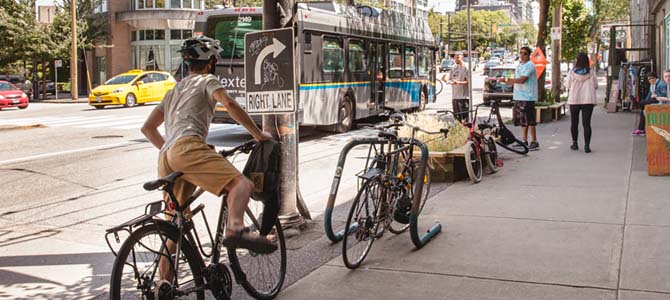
point(269, 71)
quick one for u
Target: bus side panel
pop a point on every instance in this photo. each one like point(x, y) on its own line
point(402, 94)
point(317, 93)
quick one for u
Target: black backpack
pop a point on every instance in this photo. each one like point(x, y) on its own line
point(262, 169)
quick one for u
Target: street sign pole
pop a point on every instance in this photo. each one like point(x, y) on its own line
point(284, 128)
point(470, 62)
point(56, 80)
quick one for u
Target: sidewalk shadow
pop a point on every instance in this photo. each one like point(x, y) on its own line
point(16, 285)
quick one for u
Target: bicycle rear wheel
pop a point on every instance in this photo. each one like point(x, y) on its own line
point(490, 154)
point(136, 271)
point(263, 274)
point(364, 213)
point(397, 227)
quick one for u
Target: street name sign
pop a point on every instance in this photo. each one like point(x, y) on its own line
point(269, 71)
point(58, 63)
point(555, 33)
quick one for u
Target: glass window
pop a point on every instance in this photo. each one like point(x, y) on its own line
point(424, 55)
point(357, 59)
point(159, 34)
point(149, 3)
point(197, 4)
point(187, 3)
point(410, 62)
point(142, 37)
point(140, 4)
point(133, 36)
point(186, 34)
point(156, 77)
point(333, 56)
point(160, 3)
point(149, 35)
point(395, 61)
point(230, 30)
point(175, 34)
point(175, 4)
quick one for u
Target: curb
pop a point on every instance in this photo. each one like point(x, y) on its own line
point(61, 101)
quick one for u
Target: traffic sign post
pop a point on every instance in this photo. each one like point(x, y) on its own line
point(57, 64)
point(269, 72)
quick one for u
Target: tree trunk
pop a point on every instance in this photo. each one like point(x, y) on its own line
point(541, 39)
point(44, 80)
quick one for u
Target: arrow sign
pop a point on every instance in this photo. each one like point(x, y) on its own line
point(275, 48)
point(270, 86)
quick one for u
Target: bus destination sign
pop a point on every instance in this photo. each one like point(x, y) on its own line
point(269, 71)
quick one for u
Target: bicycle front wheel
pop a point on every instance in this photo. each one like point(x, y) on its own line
point(136, 270)
point(264, 274)
point(365, 216)
point(397, 227)
point(473, 162)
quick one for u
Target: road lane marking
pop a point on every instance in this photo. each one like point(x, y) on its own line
point(45, 155)
point(114, 123)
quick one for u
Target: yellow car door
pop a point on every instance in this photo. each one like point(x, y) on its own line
point(145, 89)
point(158, 86)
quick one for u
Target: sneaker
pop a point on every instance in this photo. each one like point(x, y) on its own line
point(574, 146)
point(524, 143)
point(587, 149)
point(638, 132)
point(534, 146)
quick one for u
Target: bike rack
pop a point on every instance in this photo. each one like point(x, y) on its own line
point(328, 214)
point(420, 241)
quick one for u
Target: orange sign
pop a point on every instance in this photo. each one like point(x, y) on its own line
point(658, 139)
point(539, 60)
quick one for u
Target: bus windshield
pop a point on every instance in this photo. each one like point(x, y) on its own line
point(230, 30)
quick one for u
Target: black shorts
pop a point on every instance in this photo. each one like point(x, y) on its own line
point(523, 113)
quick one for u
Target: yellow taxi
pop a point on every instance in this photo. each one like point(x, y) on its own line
point(134, 87)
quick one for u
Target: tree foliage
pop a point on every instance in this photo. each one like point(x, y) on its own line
point(576, 23)
point(487, 27)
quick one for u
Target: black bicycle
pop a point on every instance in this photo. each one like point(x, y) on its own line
point(502, 135)
point(154, 245)
point(395, 188)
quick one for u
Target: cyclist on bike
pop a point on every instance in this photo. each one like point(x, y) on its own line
point(187, 111)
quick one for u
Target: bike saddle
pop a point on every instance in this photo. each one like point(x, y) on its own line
point(155, 184)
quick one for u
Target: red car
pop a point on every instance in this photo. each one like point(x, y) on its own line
point(11, 96)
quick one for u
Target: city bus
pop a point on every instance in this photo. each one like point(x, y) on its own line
point(350, 61)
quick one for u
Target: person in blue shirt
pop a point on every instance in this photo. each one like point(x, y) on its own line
point(657, 89)
point(525, 96)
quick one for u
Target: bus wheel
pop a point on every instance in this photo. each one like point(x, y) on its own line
point(345, 115)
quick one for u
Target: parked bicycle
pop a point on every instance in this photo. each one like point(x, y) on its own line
point(501, 134)
point(394, 191)
point(144, 254)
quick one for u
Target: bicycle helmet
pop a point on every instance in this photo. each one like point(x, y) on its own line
point(200, 48)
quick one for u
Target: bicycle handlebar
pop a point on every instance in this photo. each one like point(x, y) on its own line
point(244, 148)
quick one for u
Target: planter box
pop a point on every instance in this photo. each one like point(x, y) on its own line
point(549, 113)
point(446, 166)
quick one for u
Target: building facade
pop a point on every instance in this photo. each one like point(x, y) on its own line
point(143, 34)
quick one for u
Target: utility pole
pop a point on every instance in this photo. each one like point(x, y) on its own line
point(441, 42)
point(556, 21)
point(449, 33)
point(284, 128)
point(73, 60)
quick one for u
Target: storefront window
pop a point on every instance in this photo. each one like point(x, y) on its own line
point(133, 36)
point(175, 34)
point(160, 3)
point(175, 4)
point(186, 34)
point(159, 34)
point(150, 57)
point(187, 3)
point(141, 37)
point(149, 34)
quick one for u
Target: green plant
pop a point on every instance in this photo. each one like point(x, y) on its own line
point(457, 136)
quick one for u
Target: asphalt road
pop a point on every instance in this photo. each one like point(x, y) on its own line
point(70, 171)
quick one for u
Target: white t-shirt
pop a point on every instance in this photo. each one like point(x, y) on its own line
point(189, 108)
point(459, 73)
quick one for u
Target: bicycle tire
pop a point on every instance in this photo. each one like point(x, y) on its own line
point(263, 274)
point(473, 162)
point(397, 227)
point(169, 232)
point(523, 149)
point(367, 228)
point(491, 154)
point(439, 86)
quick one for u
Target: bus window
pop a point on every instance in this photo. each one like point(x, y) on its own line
point(333, 56)
point(424, 55)
point(230, 30)
point(410, 62)
point(357, 59)
point(395, 61)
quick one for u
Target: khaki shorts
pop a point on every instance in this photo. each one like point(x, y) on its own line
point(202, 167)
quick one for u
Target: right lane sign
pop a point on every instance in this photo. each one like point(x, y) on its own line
point(269, 71)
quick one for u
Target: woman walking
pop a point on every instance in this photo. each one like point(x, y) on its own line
point(582, 85)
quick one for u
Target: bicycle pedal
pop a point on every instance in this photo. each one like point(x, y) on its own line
point(163, 291)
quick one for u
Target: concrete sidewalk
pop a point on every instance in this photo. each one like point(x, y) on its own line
point(557, 224)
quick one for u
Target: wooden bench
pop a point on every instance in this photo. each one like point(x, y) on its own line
point(557, 110)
